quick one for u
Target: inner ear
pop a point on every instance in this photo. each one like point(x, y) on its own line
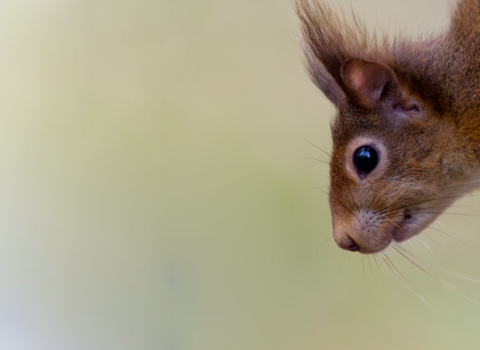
point(367, 80)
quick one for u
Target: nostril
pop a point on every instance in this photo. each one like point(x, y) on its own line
point(346, 242)
point(353, 247)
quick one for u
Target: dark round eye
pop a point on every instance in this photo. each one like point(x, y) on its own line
point(365, 159)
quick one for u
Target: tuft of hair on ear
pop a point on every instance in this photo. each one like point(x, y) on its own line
point(330, 39)
point(321, 77)
point(334, 38)
point(421, 67)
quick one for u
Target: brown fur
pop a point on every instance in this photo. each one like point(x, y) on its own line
point(430, 149)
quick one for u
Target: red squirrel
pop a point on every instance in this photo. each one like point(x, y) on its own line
point(406, 138)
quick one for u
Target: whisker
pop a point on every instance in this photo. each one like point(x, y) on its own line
point(424, 243)
point(363, 266)
point(448, 272)
point(353, 199)
point(434, 241)
point(397, 273)
point(371, 201)
point(463, 183)
point(311, 174)
point(410, 241)
point(445, 233)
point(343, 205)
point(378, 266)
point(416, 203)
point(444, 212)
point(373, 274)
point(391, 205)
point(314, 145)
point(318, 160)
point(341, 263)
point(325, 241)
point(438, 279)
point(318, 188)
point(425, 212)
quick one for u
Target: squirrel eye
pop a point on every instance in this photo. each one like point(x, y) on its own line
point(365, 159)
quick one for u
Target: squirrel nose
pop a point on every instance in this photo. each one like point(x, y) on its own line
point(348, 243)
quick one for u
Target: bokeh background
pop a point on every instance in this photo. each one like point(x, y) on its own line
point(157, 189)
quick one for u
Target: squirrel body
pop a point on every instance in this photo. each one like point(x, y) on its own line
point(406, 138)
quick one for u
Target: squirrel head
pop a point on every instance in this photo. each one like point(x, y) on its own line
point(397, 158)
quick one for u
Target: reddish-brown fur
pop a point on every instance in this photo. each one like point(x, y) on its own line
point(420, 103)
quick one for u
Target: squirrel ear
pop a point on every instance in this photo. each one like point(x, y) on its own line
point(366, 80)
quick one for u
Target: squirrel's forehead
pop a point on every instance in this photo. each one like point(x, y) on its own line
point(349, 126)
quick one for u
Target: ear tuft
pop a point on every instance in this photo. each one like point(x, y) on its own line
point(366, 80)
point(321, 77)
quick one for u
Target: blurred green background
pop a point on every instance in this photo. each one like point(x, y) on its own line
point(155, 189)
